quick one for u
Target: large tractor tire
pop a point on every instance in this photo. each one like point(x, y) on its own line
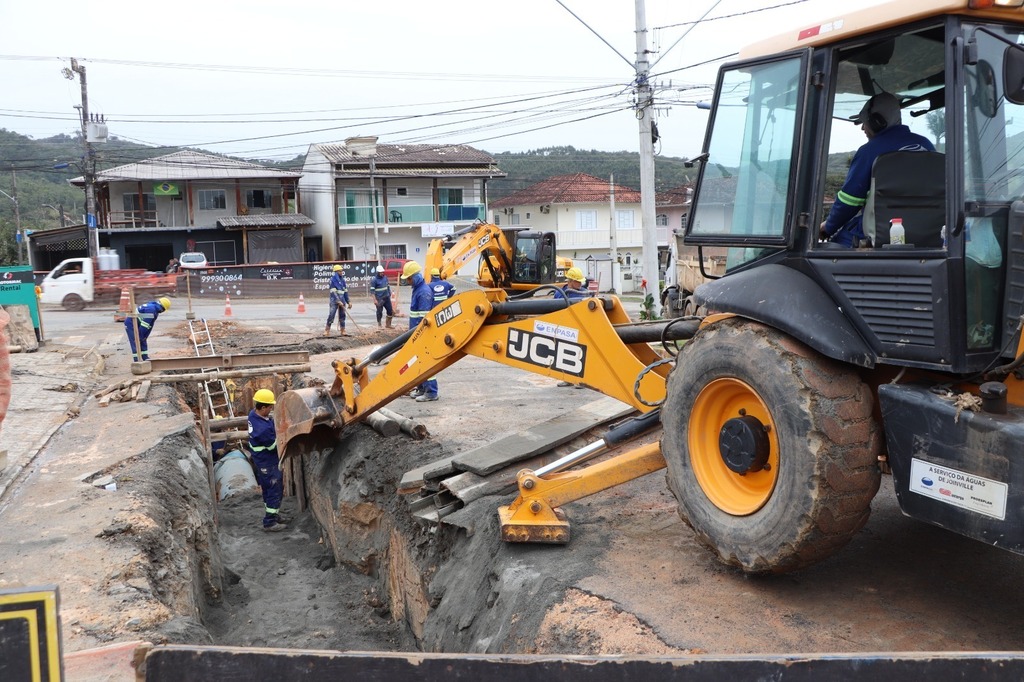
point(772, 449)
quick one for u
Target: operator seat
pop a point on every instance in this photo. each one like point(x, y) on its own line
point(912, 186)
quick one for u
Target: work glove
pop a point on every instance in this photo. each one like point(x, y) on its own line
point(350, 306)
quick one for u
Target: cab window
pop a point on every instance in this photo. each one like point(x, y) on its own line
point(870, 141)
point(743, 193)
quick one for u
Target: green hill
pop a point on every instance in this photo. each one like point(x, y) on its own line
point(43, 167)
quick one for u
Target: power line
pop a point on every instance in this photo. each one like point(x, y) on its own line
point(728, 16)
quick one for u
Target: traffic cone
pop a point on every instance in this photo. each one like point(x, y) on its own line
point(123, 308)
point(227, 306)
point(394, 304)
point(302, 304)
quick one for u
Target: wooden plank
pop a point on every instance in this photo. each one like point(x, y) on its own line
point(539, 438)
point(144, 390)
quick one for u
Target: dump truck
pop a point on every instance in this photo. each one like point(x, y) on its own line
point(76, 282)
point(515, 259)
point(813, 369)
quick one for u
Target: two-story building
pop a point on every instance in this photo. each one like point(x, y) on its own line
point(233, 211)
point(584, 211)
point(376, 201)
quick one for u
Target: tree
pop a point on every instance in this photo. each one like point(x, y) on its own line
point(937, 125)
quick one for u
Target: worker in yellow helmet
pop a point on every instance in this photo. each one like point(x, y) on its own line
point(441, 288)
point(573, 290)
point(263, 451)
point(339, 299)
point(146, 315)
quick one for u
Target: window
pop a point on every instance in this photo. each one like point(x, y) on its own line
point(131, 202)
point(139, 216)
point(745, 182)
point(515, 219)
point(661, 220)
point(393, 251)
point(586, 220)
point(449, 195)
point(402, 191)
point(624, 220)
point(682, 221)
point(527, 216)
point(258, 198)
point(212, 199)
point(497, 219)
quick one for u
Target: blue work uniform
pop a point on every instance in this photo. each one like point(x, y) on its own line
point(570, 294)
point(147, 312)
point(441, 289)
point(263, 448)
point(381, 288)
point(844, 223)
point(421, 303)
point(339, 299)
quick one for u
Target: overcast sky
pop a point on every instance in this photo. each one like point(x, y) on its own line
point(264, 79)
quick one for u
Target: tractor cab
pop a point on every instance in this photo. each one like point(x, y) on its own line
point(791, 129)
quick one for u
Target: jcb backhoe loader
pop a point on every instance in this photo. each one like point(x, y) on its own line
point(514, 259)
point(818, 367)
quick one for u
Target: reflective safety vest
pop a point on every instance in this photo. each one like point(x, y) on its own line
point(262, 436)
point(441, 289)
point(339, 288)
point(380, 286)
point(148, 312)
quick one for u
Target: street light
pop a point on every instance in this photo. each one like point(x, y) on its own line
point(60, 211)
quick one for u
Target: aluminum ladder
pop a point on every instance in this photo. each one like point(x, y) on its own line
point(215, 391)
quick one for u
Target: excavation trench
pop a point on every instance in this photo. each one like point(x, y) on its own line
point(356, 570)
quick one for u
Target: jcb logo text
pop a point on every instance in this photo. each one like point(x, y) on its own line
point(544, 351)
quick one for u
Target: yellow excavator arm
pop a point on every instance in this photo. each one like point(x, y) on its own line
point(510, 258)
point(483, 240)
point(591, 342)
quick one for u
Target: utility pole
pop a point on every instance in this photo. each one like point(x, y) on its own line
point(613, 248)
point(17, 214)
point(18, 236)
point(89, 163)
point(645, 118)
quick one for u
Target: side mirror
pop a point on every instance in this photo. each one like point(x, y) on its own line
point(1013, 74)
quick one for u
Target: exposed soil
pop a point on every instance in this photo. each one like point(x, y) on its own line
point(286, 589)
point(357, 572)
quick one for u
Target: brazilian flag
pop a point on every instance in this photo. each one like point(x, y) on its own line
point(165, 189)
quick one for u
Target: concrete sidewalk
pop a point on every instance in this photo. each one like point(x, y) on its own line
point(46, 387)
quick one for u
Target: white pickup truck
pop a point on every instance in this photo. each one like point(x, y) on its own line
point(76, 282)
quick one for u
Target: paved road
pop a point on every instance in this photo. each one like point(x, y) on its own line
point(95, 327)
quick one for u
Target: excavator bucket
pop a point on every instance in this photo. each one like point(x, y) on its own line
point(299, 413)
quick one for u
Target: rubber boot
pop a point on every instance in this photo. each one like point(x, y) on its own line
point(387, 322)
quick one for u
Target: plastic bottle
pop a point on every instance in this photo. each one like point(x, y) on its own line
point(896, 233)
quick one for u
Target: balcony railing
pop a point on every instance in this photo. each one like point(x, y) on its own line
point(417, 213)
point(132, 219)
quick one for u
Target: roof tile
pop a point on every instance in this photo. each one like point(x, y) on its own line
point(576, 188)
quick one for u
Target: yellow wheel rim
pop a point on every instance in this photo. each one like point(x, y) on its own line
point(733, 493)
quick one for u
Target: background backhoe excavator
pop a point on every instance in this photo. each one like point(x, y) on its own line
point(514, 259)
point(817, 367)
